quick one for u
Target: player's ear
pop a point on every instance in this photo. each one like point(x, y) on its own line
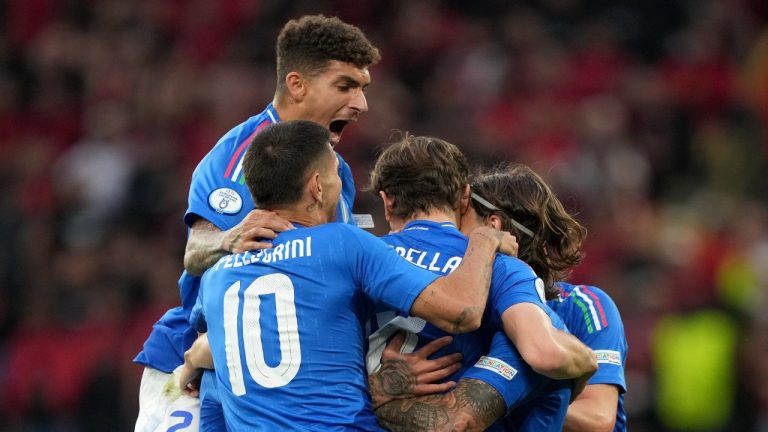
point(494, 222)
point(464, 200)
point(388, 205)
point(315, 187)
point(296, 86)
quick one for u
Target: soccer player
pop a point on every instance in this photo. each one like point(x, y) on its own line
point(518, 200)
point(423, 183)
point(322, 73)
point(285, 325)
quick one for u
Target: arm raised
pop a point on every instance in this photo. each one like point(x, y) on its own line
point(455, 303)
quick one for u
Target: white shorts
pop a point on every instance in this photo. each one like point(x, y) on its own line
point(162, 407)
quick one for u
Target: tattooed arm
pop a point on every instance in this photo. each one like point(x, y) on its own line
point(207, 243)
point(407, 375)
point(472, 406)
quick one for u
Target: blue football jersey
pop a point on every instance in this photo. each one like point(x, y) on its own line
point(219, 194)
point(592, 316)
point(211, 412)
point(534, 402)
point(285, 327)
point(545, 413)
point(439, 247)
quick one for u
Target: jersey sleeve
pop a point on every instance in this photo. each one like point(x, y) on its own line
point(197, 317)
point(594, 318)
point(347, 198)
point(504, 370)
point(513, 282)
point(385, 276)
point(214, 196)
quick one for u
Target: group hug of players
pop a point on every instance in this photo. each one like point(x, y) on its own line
point(293, 318)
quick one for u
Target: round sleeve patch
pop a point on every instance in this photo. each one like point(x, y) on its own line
point(225, 200)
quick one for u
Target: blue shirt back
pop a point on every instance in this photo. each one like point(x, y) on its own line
point(285, 327)
point(439, 248)
point(592, 316)
point(218, 193)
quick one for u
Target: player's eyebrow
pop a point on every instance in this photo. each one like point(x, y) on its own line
point(348, 80)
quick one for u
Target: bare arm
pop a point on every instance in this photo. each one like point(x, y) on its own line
point(594, 410)
point(207, 243)
point(455, 303)
point(548, 351)
point(472, 406)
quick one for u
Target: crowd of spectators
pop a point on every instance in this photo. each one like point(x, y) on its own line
point(650, 119)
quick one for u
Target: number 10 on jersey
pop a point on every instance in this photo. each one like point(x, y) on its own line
point(267, 376)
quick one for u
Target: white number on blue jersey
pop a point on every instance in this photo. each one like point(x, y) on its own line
point(281, 287)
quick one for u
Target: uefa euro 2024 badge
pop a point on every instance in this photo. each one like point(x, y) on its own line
point(225, 200)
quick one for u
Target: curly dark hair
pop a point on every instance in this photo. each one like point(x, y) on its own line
point(420, 173)
point(521, 194)
point(307, 45)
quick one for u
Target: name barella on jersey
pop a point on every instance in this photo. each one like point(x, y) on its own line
point(218, 194)
point(592, 316)
point(439, 247)
point(285, 327)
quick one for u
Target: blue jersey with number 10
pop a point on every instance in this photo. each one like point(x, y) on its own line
point(218, 193)
point(285, 327)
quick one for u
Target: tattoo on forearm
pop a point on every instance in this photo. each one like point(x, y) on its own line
point(472, 405)
point(393, 380)
point(203, 248)
point(482, 399)
point(457, 323)
point(414, 415)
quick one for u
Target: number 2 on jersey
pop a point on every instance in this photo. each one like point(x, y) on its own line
point(281, 287)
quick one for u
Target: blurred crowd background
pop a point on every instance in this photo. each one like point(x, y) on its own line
point(649, 117)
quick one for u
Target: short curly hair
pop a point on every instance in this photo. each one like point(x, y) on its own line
point(420, 174)
point(307, 45)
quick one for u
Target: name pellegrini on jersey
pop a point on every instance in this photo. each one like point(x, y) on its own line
point(421, 258)
point(298, 248)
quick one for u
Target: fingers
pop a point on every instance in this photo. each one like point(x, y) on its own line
point(190, 391)
point(251, 245)
point(509, 245)
point(443, 362)
point(267, 219)
point(393, 346)
point(437, 375)
point(432, 347)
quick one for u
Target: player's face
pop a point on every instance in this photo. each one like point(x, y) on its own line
point(331, 183)
point(336, 97)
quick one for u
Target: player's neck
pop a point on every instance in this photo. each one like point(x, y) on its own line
point(439, 216)
point(286, 110)
point(469, 221)
point(302, 216)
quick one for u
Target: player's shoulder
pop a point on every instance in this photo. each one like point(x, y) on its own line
point(512, 265)
point(589, 306)
point(572, 292)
